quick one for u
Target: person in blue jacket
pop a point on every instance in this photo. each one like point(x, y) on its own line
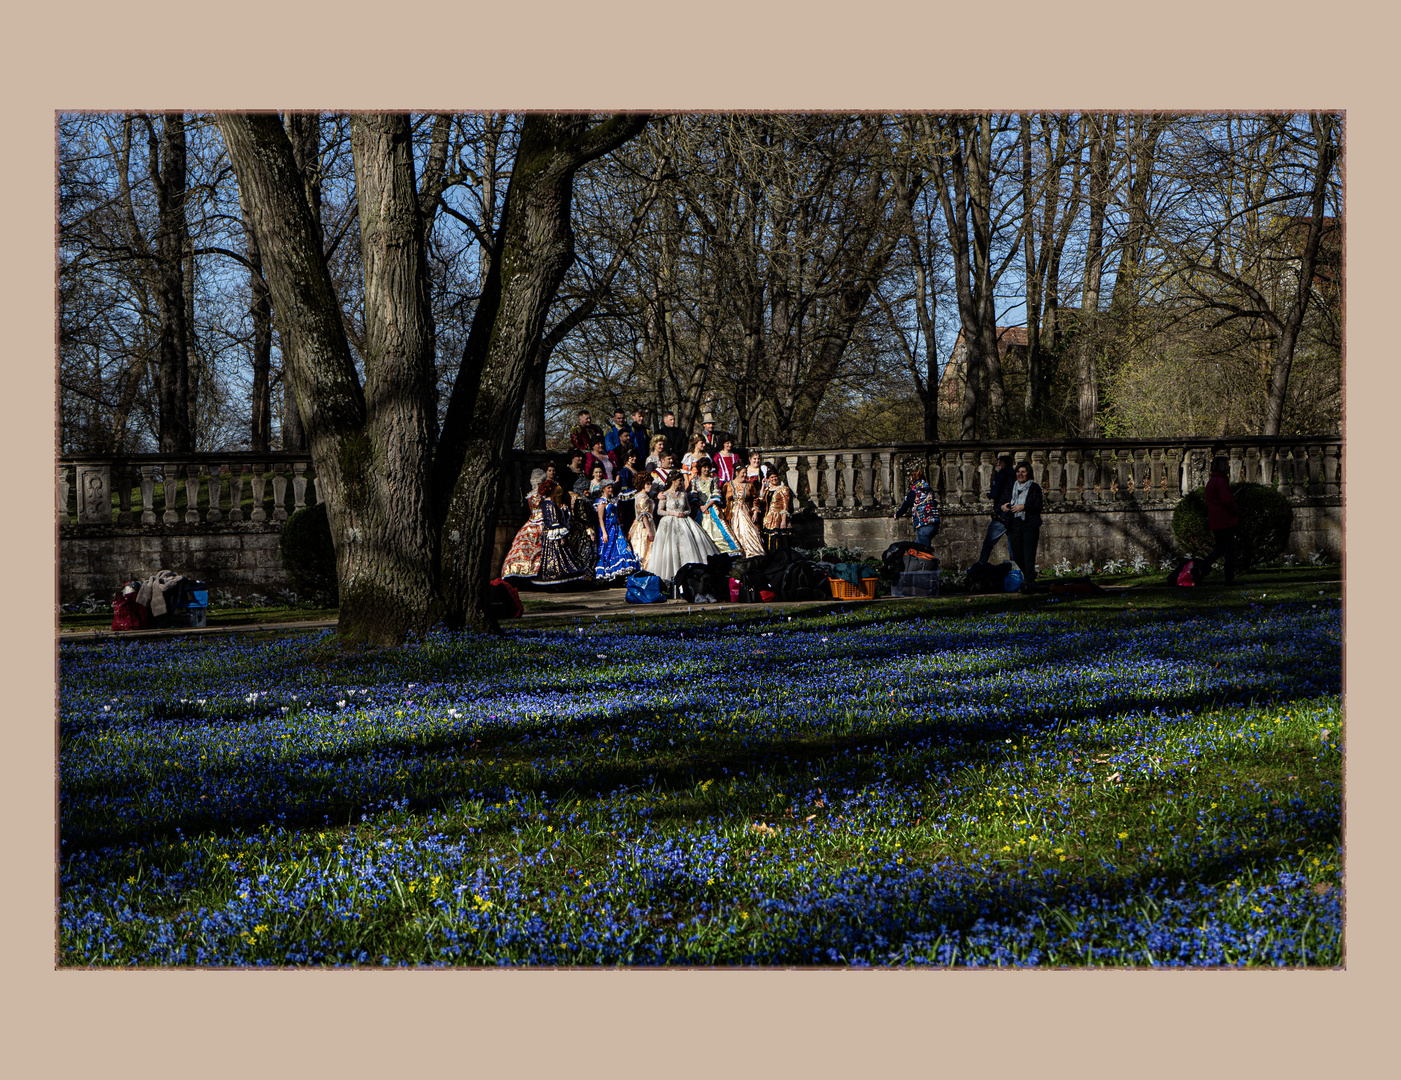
point(923, 507)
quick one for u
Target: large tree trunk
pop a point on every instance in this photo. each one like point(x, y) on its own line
point(168, 178)
point(369, 448)
point(1294, 318)
point(260, 310)
point(1101, 138)
point(534, 247)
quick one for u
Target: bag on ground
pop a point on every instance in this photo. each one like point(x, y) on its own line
point(643, 588)
point(985, 577)
point(893, 560)
point(1013, 581)
point(503, 601)
point(916, 583)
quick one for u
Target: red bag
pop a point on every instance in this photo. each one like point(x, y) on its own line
point(766, 595)
point(127, 614)
point(1184, 576)
point(734, 591)
point(505, 601)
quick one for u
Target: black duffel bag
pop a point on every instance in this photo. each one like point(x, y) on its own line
point(893, 561)
point(802, 580)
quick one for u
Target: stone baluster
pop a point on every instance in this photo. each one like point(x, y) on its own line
point(967, 479)
point(887, 488)
point(829, 472)
point(1236, 457)
point(1315, 468)
point(236, 492)
point(170, 492)
point(868, 479)
point(1331, 456)
point(1108, 475)
point(1301, 471)
point(279, 494)
point(1073, 474)
point(1089, 476)
point(122, 478)
point(814, 485)
point(148, 494)
point(64, 487)
point(1153, 488)
point(192, 495)
point(299, 485)
point(1138, 478)
point(848, 481)
point(259, 482)
point(216, 493)
point(935, 476)
point(1055, 474)
point(1038, 469)
point(1267, 466)
point(987, 461)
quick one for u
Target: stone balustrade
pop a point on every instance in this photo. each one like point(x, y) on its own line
point(220, 515)
point(1072, 474)
point(194, 489)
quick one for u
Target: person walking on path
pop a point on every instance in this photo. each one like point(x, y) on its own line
point(1024, 522)
point(1222, 518)
point(922, 506)
point(1001, 489)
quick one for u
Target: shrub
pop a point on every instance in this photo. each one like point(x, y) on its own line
point(308, 555)
point(1265, 520)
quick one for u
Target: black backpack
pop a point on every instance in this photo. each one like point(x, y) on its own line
point(690, 581)
point(802, 580)
point(983, 577)
point(893, 561)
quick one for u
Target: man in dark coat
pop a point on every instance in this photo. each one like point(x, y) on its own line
point(674, 436)
point(713, 439)
point(615, 430)
point(1222, 518)
point(638, 427)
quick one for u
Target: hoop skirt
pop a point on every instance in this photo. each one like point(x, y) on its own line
point(523, 559)
point(557, 562)
point(644, 529)
point(712, 522)
point(742, 526)
point(679, 539)
point(582, 541)
point(615, 558)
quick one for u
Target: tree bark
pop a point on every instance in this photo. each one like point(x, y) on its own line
point(1100, 132)
point(534, 248)
point(260, 310)
point(1322, 125)
point(167, 156)
point(369, 445)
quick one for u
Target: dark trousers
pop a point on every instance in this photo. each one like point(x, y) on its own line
point(996, 530)
point(1225, 546)
point(1022, 539)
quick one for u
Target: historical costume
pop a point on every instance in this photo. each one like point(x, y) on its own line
point(778, 499)
point(582, 436)
point(523, 559)
point(711, 520)
point(557, 562)
point(644, 529)
point(743, 495)
point(582, 540)
point(725, 465)
point(679, 540)
point(615, 558)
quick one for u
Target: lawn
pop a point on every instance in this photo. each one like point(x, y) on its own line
point(1131, 780)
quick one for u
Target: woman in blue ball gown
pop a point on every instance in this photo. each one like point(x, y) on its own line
point(615, 558)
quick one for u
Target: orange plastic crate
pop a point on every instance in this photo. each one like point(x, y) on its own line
point(844, 590)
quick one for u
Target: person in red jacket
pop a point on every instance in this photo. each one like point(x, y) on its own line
point(1222, 518)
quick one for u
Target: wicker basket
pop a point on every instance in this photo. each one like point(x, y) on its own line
point(844, 590)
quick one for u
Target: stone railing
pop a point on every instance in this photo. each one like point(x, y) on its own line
point(1072, 474)
point(194, 489)
point(208, 489)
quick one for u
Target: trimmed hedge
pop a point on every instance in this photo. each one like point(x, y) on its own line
point(308, 555)
point(1265, 520)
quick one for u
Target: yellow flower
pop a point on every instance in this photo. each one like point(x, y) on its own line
point(1123, 836)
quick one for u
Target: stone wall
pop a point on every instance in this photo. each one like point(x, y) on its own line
point(1080, 535)
point(96, 559)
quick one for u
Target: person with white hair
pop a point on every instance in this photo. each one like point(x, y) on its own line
point(523, 559)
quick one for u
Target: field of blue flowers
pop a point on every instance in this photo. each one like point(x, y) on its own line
point(1036, 787)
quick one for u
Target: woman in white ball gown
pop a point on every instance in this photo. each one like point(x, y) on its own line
point(679, 540)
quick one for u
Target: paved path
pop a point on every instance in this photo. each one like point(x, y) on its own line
point(584, 604)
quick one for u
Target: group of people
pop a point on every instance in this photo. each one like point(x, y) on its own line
point(629, 502)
